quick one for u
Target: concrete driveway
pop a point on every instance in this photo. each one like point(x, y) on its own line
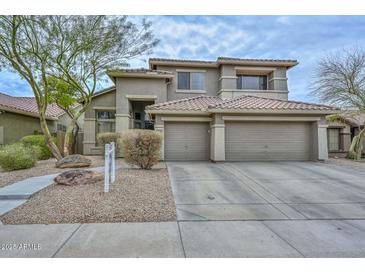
point(279, 209)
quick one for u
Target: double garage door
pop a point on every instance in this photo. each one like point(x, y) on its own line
point(244, 141)
point(267, 141)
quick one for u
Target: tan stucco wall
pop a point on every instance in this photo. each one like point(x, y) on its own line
point(136, 86)
point(106, 101)
point(16, 126)
point(65, 120)
point(277, 84)
point(230, 94)
point(211, 82)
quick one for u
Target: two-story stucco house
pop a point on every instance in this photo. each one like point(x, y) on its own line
point(230, 109)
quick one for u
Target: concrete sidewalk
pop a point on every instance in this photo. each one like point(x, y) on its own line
point(291, 238)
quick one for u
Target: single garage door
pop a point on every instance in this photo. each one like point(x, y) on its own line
point(268, 141)
point(186, 141)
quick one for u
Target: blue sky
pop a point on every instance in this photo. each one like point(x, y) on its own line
point(305, 38)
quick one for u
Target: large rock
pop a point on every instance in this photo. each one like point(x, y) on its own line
point(79, 177)
point(74, 160)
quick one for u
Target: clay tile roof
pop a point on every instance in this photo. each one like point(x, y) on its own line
point(206, 103)
point(259, 103)
point(221, 59)
point(28, 104)
point(198, 103)
point(143, 70)
point(256, 60)
point(180, 60)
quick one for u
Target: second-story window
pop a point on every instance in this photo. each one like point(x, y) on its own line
point(191, 80)
point(253, 82)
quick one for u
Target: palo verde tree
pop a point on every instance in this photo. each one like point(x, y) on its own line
point(26, 48)
point(340, 80)
point(76, 51)
point(86, 46)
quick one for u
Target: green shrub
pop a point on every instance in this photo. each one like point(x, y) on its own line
point(16, 156)
point(43, 152)
point(108, 137)
point(142, 147)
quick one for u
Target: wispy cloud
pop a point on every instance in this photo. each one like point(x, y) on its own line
point(305, 38)
point(12, 84)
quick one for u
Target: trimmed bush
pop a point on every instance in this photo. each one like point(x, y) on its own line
point(142, 147)
point(43, 152)
point(108, 137)
point(16, 156)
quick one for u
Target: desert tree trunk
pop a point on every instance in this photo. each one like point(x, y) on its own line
point(69, 135)
point(48, 138)
point(357, 147)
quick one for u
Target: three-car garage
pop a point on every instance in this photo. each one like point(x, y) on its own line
point(243, 141)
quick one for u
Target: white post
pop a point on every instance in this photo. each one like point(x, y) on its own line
point(113, 162)
point(106, 168)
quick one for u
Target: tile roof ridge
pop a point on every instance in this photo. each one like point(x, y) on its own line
point(277, 100)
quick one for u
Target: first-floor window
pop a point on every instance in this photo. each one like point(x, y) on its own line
point(333, 139)
point(105, 121)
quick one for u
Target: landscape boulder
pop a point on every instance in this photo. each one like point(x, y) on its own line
point(74, 160)
point(79, 177)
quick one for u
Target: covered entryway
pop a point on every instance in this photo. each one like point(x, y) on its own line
point(186, 141)
point(268, 141)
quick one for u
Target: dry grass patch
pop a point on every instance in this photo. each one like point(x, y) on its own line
point(136, 196)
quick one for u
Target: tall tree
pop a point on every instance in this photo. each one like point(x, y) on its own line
point(26, 49)
point(86, 46)
point(340, 80)
point(78, 50)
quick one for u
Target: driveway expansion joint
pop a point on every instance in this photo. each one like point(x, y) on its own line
point(65, 242)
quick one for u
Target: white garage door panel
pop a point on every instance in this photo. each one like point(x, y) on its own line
point(267, 141)
point(186, 141)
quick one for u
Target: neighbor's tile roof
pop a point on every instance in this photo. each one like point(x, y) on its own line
point(28, 104)
point(353, 118)
point(204, 103)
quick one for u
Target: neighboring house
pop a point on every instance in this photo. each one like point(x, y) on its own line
point(230, 109)
point(19, 117)
point(340, 135)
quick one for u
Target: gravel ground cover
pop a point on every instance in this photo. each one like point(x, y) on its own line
point(345, 162)
point(136, 196)
point(43, 168)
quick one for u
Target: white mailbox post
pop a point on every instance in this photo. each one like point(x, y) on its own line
point(109, 168)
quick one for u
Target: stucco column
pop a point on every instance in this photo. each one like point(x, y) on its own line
point(89, 135)
point(160, 128)
point(122, 115)
point(217, 149)
point(122, 122)
point(322, 141)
